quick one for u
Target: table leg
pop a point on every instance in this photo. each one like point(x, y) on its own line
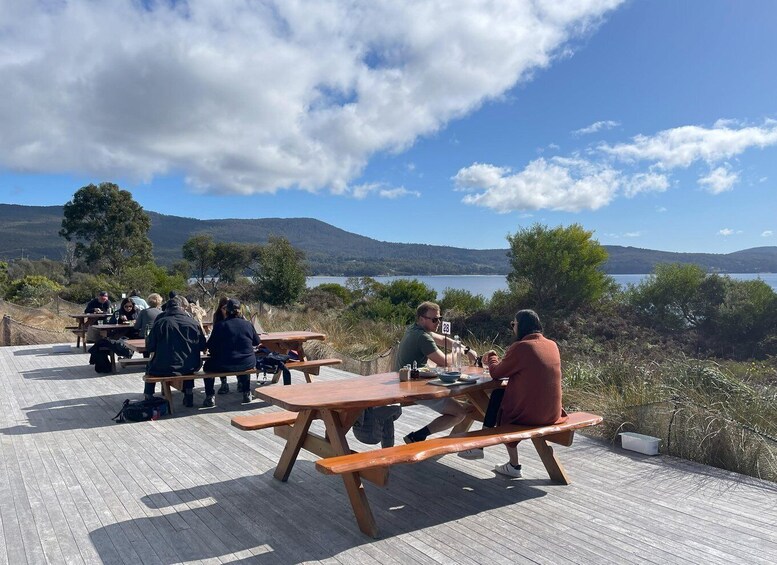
point(353, 483)
point(293, 444)
point(552, 464)
point(479, 403)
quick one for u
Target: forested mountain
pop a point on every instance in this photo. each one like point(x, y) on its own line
point(32, 232)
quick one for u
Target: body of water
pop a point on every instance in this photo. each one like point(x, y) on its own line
point(488, 284)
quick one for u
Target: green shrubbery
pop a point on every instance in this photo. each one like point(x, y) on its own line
point(32, 290)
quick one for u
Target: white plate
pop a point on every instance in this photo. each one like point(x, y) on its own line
point(468, 379)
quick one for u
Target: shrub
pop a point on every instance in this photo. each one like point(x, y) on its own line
point(457, 302)
point(32, 290)
point(558, 269)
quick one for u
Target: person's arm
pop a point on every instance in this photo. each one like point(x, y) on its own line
point(505, 367)
point(446, 343)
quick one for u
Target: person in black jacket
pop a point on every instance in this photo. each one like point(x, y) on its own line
point(100, 304)
point(231, 346)
point(176, 339)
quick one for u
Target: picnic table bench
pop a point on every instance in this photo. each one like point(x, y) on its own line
point(339, 406)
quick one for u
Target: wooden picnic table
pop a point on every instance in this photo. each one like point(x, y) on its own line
point(339, 404)
point(279, 342)
point(84, 320)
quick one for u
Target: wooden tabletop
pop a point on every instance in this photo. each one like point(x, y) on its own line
point(85, 315)
point(139, 345)
point(365, 391)
point(291, 336)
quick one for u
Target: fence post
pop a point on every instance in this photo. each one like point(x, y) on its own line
point(6, 332)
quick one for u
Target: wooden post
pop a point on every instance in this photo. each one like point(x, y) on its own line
point(6, 330)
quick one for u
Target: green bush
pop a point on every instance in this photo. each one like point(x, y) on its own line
point(456, 302)
point(32, 290)
point(558, 269)
point(337, 290)
point(83, 287)
point(150, 278)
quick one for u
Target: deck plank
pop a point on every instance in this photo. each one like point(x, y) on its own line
point(77, 488)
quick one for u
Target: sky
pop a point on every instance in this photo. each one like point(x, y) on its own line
point(651, 123)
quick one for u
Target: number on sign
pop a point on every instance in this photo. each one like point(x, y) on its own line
point(446, 328)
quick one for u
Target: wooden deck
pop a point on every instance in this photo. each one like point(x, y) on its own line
point(75, 488)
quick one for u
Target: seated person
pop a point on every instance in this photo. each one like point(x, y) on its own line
point(176, 340)
point(532, 397)
point(219, 314)
point(376, 424)
point(231, 346)
point(127, 312)
point(421, 344)
point(100, 304)
point(145, 318)
point(134, 295)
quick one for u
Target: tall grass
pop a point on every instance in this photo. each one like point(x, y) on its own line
point(700, 409)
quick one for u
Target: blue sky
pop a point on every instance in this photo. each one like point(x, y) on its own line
point(651, 123)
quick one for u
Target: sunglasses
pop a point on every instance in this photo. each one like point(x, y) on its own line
point(436, 319)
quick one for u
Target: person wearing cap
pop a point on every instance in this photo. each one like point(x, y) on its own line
point(231, 346)
point(99, 304)
point(176, 340)
point(420, 344)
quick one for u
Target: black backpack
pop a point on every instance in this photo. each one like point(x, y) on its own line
point(142, 410)
point(270, 362)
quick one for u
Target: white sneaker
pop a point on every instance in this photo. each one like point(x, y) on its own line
point(476, 453)
point(508, 470)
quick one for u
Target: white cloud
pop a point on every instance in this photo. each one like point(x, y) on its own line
point(719, 180)
point(725, 232)
point(662, 209)
point(682, 146)
point(645, 182)
point(633, 234)
point(564, 184)
point(249, 97)
point(397, 192)
point(767, 233)
point(596, 127)
point(361, 191)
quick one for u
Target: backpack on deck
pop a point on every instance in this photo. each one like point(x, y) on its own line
point(270, 362)
point(142, 410)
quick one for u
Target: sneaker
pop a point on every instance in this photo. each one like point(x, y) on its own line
point(476, 453)
point(224, 388)
point(247, 397)
point(188, 400)
point(208, 402)
point(409, 439)
point(508, 470)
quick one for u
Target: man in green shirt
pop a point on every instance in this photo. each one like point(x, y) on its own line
point(421, 343)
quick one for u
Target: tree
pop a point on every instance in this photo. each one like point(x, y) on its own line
point(558, 270)
point(280, 273)
point(110, 229)
point(198, 251)
point(677, 296)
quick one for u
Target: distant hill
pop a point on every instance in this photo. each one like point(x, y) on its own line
point(31, 231)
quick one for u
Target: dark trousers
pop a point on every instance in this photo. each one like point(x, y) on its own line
point(489, 420)
point(188, 386)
